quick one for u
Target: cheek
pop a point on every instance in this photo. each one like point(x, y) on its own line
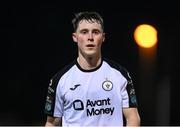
point(100, 45)
point(99, 41)
point(81, 39)
point(81, 42)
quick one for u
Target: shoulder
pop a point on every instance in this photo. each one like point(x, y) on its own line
point(118, 67)
point(63, 70)
point(55, 79)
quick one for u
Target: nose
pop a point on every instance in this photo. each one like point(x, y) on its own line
point(90, 37)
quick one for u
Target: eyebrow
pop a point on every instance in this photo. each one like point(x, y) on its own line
point(85, 29)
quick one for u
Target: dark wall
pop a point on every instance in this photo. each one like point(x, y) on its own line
point(39, 41)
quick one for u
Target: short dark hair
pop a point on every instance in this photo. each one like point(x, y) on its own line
point(88, 16)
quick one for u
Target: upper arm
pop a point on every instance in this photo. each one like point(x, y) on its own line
point(53, 121)
point(54, 103)
point(132, 116)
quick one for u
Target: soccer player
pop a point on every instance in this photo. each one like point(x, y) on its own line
point(92, 90)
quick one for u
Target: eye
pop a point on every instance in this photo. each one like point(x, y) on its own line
point(96, 32)
point(84, 32)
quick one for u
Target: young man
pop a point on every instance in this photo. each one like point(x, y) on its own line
point(91, 91)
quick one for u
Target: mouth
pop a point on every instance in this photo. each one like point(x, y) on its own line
point(90, 45)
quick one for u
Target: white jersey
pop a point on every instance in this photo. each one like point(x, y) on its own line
point(90, 97)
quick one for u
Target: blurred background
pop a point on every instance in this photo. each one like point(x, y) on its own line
point(39, 43)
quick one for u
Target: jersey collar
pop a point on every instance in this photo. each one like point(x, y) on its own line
point(91, 70)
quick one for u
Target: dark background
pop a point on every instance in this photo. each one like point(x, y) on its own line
point(39, 43)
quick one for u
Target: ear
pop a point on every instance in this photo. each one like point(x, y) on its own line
point(74, 36)
point(103, 37)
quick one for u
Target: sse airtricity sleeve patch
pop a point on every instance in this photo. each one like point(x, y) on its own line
point(129, 88)
point(50, 99)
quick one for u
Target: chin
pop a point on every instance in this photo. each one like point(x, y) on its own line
point(91, 53)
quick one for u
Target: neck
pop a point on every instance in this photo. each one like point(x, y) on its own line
point(89, 63)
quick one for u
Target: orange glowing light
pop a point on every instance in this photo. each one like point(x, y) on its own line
point(145, 36)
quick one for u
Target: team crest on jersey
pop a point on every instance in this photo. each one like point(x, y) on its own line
point(107, 85)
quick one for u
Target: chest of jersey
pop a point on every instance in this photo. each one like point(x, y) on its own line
point(91, 98)
point(97, 85)
point(92, 93)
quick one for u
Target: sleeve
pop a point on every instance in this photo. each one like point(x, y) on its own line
point(53, 104)
point(128, 92)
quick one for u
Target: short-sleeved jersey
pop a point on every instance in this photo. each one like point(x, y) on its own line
point(90, 97)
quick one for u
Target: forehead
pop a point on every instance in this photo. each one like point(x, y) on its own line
point(84, 24)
